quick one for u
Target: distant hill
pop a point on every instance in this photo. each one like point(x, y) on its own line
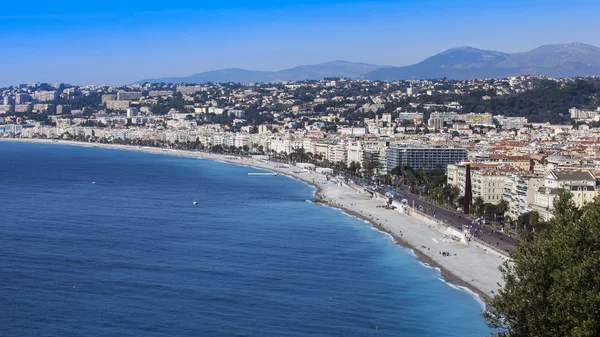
point(307, 72)
point(558, 60)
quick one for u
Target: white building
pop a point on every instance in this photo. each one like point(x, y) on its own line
point(353, 131)
point(445, 116)
point(582, 184)
point(582, 114)
point(483, 119)
point(519, 193)
point(488, 185)
point(410, 116)
point(45, 96)
point(412, 91)
point(509, 123)
point(132, 112)
point(128, 95)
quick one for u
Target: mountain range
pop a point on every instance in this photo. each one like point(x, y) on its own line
point(556, 60)
point(308, 72)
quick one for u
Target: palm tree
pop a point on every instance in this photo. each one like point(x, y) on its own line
point(478, 206)
point(503, 206)
point(534, 219)
point(340, 165)
point(354, 167)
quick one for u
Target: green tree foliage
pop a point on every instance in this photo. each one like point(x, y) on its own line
point(549, 101)
point(478, 206)
point(166, 104)
point(354, 167)
point(431, 183)
point(545, 101)
point(503, 206)
point(529, 220)
point(552, 284)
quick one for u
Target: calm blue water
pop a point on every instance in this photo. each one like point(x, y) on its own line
point(253, 258)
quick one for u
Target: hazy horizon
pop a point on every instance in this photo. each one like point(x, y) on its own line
point(118, 42)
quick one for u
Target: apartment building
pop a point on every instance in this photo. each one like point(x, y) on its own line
point(128, 95)
point(445, 116)
point(189, 90)
point(410, 116)
point(160, 93)
point(519, 162)
point(578, 114)
point(118, 105)
point(488, 184)
point(354, 153)
point(483, 119)
point(509, 123)
point(108, 98)
point(46, 96)
point(583, 185)
point(519, 193)
point(428, 157)
point(336, 153)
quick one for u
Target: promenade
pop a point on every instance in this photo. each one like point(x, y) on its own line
point(489, 236)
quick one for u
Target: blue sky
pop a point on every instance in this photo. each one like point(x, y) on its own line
point(119, 42)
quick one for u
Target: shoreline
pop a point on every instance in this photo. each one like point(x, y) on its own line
point(446, 274)
point(453, 278)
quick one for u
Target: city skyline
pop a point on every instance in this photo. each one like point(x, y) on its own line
point(120, 43)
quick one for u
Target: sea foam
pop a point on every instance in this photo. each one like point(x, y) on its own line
point(466, 290)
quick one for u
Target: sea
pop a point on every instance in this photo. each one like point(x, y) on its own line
point(104, 242)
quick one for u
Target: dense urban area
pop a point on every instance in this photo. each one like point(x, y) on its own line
point(524, 138)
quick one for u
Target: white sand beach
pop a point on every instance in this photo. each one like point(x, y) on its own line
point(468, 266)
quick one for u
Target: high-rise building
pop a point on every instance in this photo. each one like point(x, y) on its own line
point(427, 157)
point(128, 95)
